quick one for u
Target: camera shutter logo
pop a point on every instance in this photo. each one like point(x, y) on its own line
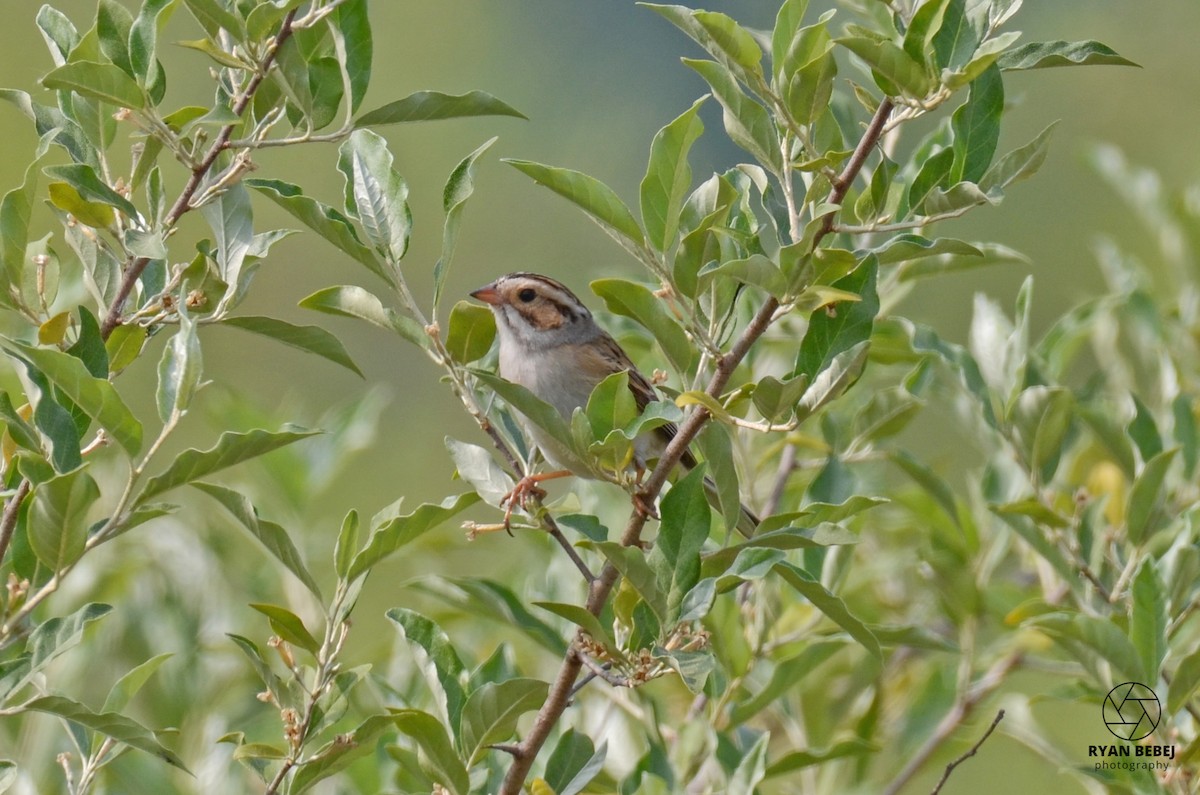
point(1131, 711)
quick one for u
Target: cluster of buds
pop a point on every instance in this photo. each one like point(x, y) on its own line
point(688, 636)
point(18, 589)
point(291, 727)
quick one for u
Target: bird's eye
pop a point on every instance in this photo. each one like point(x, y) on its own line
point(527, 295)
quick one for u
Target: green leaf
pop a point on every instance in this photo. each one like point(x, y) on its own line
point(1148, 618)
point(935, 171)
point(434, 105)
point(1044, 54)
point(746, 121)
point(288, 626)
point(57, 635)
point(798, 760)
point(231, 448)
point(476, 466)
point(312, 339)
point(784, 676)
point(322, 219)
point(592, 196)
point(930, 481)
point(91, 187)
point(96, 397)
point(1018, 164)
point(908, 247)
point(354, 27)
point(353, 301)
point(337, 754)
point(8, 775)
point(1144, 513)
point(925, 22)
point(829, 604)
point(669, 177)
point(751, 769)
point(110, 724)
point(471, 331)
point(16, 209)
point(213, 17)
point(346, 546)
point(976, 126)
point(829, 335)
point(489, 598)
point(125, 688)
point(377, 193)
point(685, 524)
point(395, 533)
point(425, 633)
point(638, 302)
point(733, 41)
point(787, 24)
point(693, 667)
point(459, 187)
point(893, 63)
point(179, 371)
point(1184, 682)
point(1084, 636)
point(832, 382)
point(103, 81)
point(60, 435)
point(959, 34)
point(573, 763)
point(540, 413)
point(143, 43)
point(57, 518)
point(273, 537)
point(631, 562)
point(611, 405)
point(21, 431)
point(491, 713)
point(444, 764)
point(582, 618)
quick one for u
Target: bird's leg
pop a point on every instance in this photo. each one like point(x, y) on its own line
point(526, 488)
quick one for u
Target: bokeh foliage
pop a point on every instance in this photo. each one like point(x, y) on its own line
point(880, 604)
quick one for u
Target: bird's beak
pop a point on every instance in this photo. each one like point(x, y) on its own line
point(487, 294)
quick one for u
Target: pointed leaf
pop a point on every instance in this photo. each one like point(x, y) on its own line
point(57, 523)
point(491, 713)
point(669, 177)
point(96, 397)
point(232, 448)
point(269, 534)
point(432, 105)
point(591, 195)
point(396, 533)
point(110, 724)
point(312, 339)
point(103, 81)
point(1043, 54)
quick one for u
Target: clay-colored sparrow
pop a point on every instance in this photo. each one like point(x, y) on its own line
point(551, 345)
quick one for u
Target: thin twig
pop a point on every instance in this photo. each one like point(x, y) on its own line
point(9, 521)
point(184, 202)
point(563, 686)
point(961, 710)
point(970, 753)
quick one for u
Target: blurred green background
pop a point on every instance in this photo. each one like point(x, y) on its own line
point(596, 80)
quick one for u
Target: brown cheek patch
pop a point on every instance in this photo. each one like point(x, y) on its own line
point(542, 315)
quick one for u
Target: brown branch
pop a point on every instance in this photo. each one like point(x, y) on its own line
point(973, 750)
point(9, 521)
point(563, 687)
point(199, 172)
